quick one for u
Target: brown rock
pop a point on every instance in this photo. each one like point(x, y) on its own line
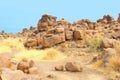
point(46, 22)
point(73, 67)
point(118, 19)
point(78, 35)
point(33, 70)
point(24, 66)
point(8, 74)
point(31, 63)
point(59, 30)
point(31, 43)
point(69, 35)
point(5, 62)
point(53, 40)
point(59, 68)
point(106, 19)
point(108, 43)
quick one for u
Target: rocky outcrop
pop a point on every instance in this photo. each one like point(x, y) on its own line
point(106, 19)
point(46, 22)
point(51, 32)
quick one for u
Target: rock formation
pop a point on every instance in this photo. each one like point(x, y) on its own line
point(50, 31)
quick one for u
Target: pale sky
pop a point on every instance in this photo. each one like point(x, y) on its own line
point(17, 14)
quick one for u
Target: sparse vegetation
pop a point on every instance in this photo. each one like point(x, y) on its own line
point(47, 54)
point(95, 43)
point(11, 43)
point(114, 62)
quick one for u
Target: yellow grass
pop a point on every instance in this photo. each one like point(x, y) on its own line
point(7, 45)
point(95, 42)
point(47, 54)
point(11, 44)
point(115, 62)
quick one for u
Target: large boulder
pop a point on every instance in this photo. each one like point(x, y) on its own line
point(46, 22)
point(78, 34)
point(31, 42)
point(7, 74)
point(53, 40)
point(69, 35)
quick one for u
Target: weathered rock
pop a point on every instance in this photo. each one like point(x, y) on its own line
point(23, 66)
point(106, 19)
point(78, 35)
point(59, 68)
point(53, 40)
point(7, 74)
point(33, 70)
point(46, 22)
point(5, 62)
point(108, 43)
point(31, 43)
point(69, 35)
point(73, 67)
point(59, 30)
point(118, 19)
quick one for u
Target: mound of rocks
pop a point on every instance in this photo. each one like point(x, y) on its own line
point(51, 31)
point(27, 67)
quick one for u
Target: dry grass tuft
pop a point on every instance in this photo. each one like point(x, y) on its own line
point(98, 64)
point(8, 44)
point(95, 42)
point(114, 62)
point(47, 54)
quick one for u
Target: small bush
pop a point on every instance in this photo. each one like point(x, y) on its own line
point(114, 62)
point(95, 42)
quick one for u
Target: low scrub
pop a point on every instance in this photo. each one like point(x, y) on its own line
point(47, 54)
point(95, 42)
point(7, 45)
point(114, 62)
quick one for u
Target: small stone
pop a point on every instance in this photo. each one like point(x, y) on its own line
point(59, 68)
point(33, 70)
point(73, 67)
